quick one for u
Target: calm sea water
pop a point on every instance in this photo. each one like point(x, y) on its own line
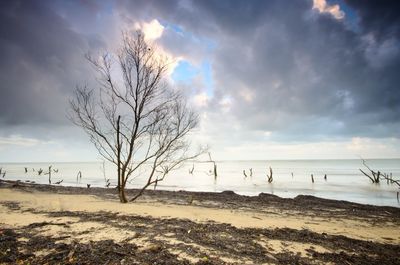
point(344, 180)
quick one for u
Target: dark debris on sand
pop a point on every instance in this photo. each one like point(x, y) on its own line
point(207, 243)
point(222, 240)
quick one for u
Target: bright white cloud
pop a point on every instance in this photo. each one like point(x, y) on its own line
point(323, 7)
point(152, 30)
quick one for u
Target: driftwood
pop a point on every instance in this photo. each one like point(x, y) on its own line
point(269, 177)
point(49, 173)
point(312, 178)
point(191, 170)
point(374, 177)
point(78, 176)
point(215, 166)
point(390, 180)
point(250, 173)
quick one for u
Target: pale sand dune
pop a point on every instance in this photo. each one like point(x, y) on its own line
point(48, 202)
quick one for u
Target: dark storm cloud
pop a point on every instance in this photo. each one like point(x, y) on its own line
point(285, 67)
point(309, 73)
point(296, 71)
point(380, 17)
point(42, 61)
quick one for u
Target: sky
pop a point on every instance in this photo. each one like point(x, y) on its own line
point(270, 79)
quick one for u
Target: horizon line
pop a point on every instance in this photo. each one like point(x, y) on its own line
point(224, 160)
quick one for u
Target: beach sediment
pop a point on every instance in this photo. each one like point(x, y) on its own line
point(52, 224)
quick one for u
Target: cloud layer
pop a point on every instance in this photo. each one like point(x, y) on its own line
point(298, 71)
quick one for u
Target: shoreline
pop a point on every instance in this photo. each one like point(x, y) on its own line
point(160, 194)
point(344, 180)
point(196, 227)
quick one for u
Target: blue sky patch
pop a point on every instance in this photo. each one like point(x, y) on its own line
point(184, 72)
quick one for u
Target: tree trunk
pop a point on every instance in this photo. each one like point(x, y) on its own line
point(121, 194)
point(121, 175)
point(118, 156)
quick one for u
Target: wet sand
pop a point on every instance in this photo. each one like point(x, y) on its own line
point(49, 224)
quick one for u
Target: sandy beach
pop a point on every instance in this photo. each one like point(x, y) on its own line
point(43, 224)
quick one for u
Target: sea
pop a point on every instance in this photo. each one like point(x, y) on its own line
point(344, 181)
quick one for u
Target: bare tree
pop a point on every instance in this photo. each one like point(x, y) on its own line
point(134, 120)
